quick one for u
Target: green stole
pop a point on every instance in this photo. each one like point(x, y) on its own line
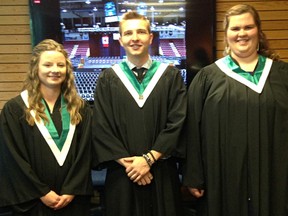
point(59, 140)
point(252, 78)
point(140, 87)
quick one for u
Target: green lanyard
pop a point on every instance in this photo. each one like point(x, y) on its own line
point(140, 87)
point(59, 140)
point(252, 78)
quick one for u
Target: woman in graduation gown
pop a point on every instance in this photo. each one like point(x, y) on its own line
point(45, 140)
point(237, 125)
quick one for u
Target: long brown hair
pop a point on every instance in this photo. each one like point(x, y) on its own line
point(68, 88)
point(239, 9)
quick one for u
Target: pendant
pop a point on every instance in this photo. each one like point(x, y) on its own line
point(141, 97)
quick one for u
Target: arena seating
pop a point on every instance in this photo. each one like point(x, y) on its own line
point(76, 48)
point(98, 179)
point(180, 45)
point(86, 82)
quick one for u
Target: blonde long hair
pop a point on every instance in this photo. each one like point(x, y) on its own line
point(68, 88)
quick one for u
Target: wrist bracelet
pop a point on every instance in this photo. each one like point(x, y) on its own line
point(148, 160)
point(154, 159)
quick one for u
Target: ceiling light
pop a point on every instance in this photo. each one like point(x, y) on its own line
point(88, 2)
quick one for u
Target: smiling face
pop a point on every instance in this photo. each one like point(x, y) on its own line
point(242, 36)
point(135, 39)
point(52, 70)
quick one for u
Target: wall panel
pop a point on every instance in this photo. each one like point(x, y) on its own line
point(15, 47)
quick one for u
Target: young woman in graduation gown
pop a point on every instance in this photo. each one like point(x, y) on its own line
point(238, 126)
point(45, 141)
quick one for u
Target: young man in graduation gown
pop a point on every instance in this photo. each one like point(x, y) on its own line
point(45, 142)
point(138, 117)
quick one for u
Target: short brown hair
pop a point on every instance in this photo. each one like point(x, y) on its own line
point(132, 15)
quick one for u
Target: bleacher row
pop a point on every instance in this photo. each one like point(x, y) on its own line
point(86, 83)
point(108, 61)
point(172, 47)
point(77, 48)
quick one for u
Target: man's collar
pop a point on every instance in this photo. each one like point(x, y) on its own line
point(147, 64)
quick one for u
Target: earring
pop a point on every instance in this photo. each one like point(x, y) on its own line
point(227, 50)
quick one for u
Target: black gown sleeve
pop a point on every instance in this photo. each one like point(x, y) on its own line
point(167, 141)
point(104, 129)
point(193, 174)
point(18, 181)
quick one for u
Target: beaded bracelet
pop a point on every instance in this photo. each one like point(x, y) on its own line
point(148, 160)
point(154, 159)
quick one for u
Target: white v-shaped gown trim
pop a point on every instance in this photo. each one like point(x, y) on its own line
point(140, 100)
point(257, 88)
point(59, 155)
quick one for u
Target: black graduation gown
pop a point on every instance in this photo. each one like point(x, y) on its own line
point(238, 143)
point(29, 170)
point(123, 129)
